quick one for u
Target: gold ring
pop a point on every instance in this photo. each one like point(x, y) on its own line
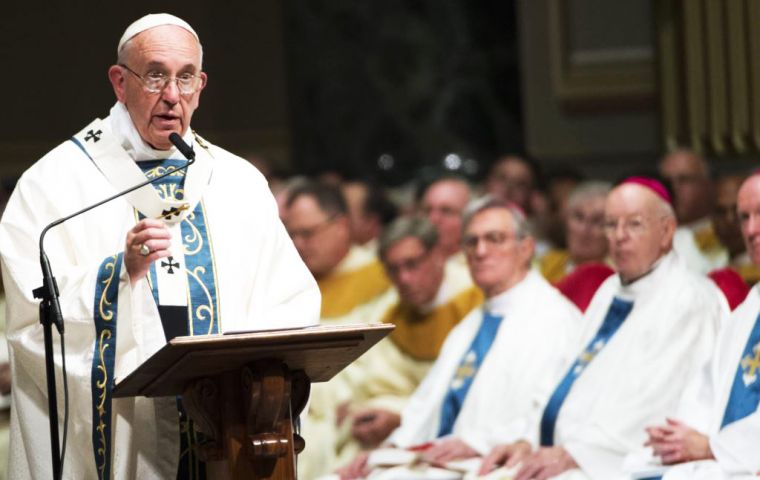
point(144, 250)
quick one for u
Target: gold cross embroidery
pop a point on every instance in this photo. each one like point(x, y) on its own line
point(752, 364)
point(175, 211)
point(465, 371)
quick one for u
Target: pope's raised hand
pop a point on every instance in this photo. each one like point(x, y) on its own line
point(148, 241)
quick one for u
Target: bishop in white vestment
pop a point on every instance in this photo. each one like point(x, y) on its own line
point(646, 332)
point(716, 431)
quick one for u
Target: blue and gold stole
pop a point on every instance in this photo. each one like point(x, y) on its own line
point(745, 391)
point(465, 373)
point(203, 319)
point(617, 313)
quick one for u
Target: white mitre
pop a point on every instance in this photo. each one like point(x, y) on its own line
point(153, 20)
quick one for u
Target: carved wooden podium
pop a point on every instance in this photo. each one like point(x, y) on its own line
point(244, 390)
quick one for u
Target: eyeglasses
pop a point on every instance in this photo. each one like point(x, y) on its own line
point(156, 82)
point(491, 239)
point(632, 226)
point(308, 233)
point(593, 221)
point(409, 264)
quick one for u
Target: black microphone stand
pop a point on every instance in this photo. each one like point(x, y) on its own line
point(50, 308)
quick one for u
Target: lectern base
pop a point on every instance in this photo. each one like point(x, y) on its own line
point(247, 416)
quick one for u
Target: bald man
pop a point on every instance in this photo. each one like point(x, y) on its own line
point(442, 204)
point(717, 430)
point(695, 240)
point(728, 228)
point(647, 329)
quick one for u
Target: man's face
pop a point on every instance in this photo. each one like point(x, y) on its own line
point(691, 185)
point(321, 240)
point(416, 272)
point(442, 205)
point(586, 240)
point(748, 207)
point(637, 230)
point(168, 50)
point(512, 180)
point(362, 225)
point(725, 220)
point(496, 257)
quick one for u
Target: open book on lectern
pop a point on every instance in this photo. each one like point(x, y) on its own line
point(319, 351)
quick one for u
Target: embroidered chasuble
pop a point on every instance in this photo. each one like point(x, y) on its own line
point(745, 391)
point(467, 370)
point(229, 250)
point(200, 317)
point(617, 313)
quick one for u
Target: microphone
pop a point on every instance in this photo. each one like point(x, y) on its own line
point(50, 310)
point(183, 147)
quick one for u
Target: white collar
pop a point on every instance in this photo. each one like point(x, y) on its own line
point(127, 135)
point(651, 279)
point(500, 303)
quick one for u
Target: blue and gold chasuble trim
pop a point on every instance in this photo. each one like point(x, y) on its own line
point(616, 314)
point(105, 308)
point(745, 391)
point(466, 372)
point(203, 319)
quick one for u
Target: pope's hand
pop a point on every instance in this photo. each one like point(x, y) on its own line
point(148, 241)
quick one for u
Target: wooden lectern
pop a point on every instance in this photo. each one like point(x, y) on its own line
point(243, 390)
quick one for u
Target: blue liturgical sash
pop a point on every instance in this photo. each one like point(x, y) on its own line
point(617, 313)
point(745, 392)
point(202, 318)
point(468, 368)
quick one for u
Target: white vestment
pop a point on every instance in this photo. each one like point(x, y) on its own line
point(637, 378)
point(260, 283)
point(524, 363)
point(703, 405)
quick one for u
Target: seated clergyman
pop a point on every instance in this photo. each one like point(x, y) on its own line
point(316, 217)
point(362, 404)
point(647, 330)
point(517, 341)
point(719, 417)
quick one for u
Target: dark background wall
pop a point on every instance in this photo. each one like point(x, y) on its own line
point(316, 85)
point(310, 85)
point(412, 80)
